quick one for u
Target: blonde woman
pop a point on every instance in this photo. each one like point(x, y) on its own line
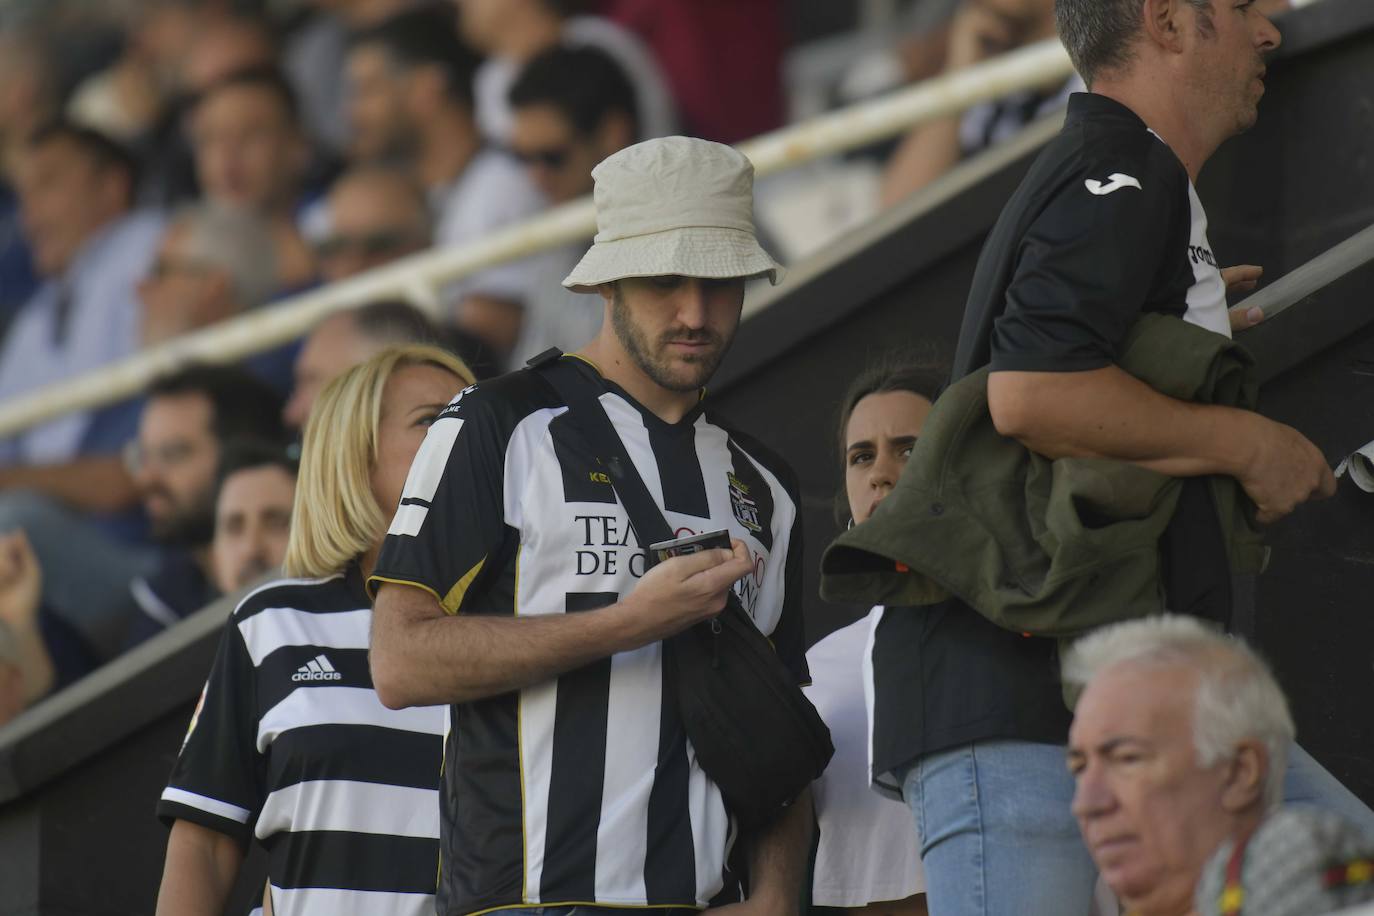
point(289, 743)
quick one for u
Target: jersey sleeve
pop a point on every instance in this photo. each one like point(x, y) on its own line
point(452, 514)
point(1087, 264)
point(218, 777)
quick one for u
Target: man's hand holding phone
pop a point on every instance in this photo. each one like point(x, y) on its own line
point(686, 588)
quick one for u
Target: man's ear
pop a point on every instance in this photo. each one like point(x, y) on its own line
point(1246, 775)
point(1163, 24)
point(607, 291)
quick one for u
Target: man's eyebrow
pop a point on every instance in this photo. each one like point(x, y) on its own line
point(1104, 747)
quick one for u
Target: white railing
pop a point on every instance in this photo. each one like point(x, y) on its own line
point(418, 276)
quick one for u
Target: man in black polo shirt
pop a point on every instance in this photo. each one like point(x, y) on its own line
point(969, 718)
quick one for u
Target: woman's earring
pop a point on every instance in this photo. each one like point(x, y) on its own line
point(851, 523)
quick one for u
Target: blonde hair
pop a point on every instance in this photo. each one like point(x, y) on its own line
point(336, 518)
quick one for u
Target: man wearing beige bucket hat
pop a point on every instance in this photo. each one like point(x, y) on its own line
point(512, 585)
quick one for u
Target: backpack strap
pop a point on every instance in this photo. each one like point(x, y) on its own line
point(589, 418)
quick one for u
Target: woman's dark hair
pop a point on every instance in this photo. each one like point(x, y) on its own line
point(887, 375)
point(884, 377)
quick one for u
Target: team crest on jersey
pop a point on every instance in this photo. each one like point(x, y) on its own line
point(744, 507)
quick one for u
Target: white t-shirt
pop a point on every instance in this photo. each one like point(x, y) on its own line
point(656, 108)
point(491, 193)
point(869, 850)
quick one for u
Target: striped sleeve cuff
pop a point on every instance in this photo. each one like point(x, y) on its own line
point(223, 817)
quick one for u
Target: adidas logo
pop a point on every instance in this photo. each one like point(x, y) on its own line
point(317, 669)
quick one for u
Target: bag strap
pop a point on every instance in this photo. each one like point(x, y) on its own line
point(590, 418)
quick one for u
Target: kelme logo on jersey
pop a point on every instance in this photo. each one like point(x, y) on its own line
point(745, 509)
point(1115, 182)
point(317, 669)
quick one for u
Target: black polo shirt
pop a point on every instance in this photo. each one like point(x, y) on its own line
point(1105, 226)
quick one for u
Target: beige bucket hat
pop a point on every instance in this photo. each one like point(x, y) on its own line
point(673, 205)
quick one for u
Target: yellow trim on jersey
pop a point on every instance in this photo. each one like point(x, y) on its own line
point(587, 361)
point(372, 592)
point(520, 747)
point(454, 599)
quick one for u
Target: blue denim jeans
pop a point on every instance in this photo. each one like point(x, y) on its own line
point(998, 837)
point(1307, 782)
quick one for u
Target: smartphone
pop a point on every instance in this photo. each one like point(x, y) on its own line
point(695, 543)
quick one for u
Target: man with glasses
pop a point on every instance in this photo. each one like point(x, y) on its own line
point(189, 417)
point(572, 108)
point(376, 214)
point(214, 262)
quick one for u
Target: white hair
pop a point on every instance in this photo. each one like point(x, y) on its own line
point(1237, 697)
point(237, 241)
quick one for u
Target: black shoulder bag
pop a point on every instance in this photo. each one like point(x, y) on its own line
point(754, 732)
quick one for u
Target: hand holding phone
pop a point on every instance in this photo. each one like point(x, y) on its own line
point(695, 543)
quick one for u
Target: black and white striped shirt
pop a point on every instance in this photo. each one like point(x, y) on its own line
point(290, 744)
point(583, 789)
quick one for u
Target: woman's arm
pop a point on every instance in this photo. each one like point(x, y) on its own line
point(199, 872)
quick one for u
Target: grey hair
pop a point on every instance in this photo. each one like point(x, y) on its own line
point(1100, 35)
point(237, 241)
point(1237, 697)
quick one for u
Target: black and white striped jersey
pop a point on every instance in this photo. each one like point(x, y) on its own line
point(290, 744)
point(583, 789)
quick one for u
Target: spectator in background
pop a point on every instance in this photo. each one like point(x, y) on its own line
point(76, 188)
point(214, 262)
point(27, 100)
point(709, 49)
point(375, 214)
point(220, 46)
point(125, 100)
point(1179, 742)
point(256, 488)
point(250, 152)
point(573, 107)
point(342, 341)
point(513, 32)
point(314, 58)
point(289, 711)
point(412, 105)
point(39, 653)
point(981, 29)
point(189, 417)
point(226, 45)
point(868, 851)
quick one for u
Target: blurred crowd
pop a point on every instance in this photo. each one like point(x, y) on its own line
point(169, 164)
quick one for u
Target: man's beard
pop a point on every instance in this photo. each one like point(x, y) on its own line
point(649, 359)
point(190, 526)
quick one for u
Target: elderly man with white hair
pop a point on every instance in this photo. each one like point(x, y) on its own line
point(214, 261)
point(1179, 746)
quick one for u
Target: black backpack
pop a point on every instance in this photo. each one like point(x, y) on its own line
point(754, 732)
